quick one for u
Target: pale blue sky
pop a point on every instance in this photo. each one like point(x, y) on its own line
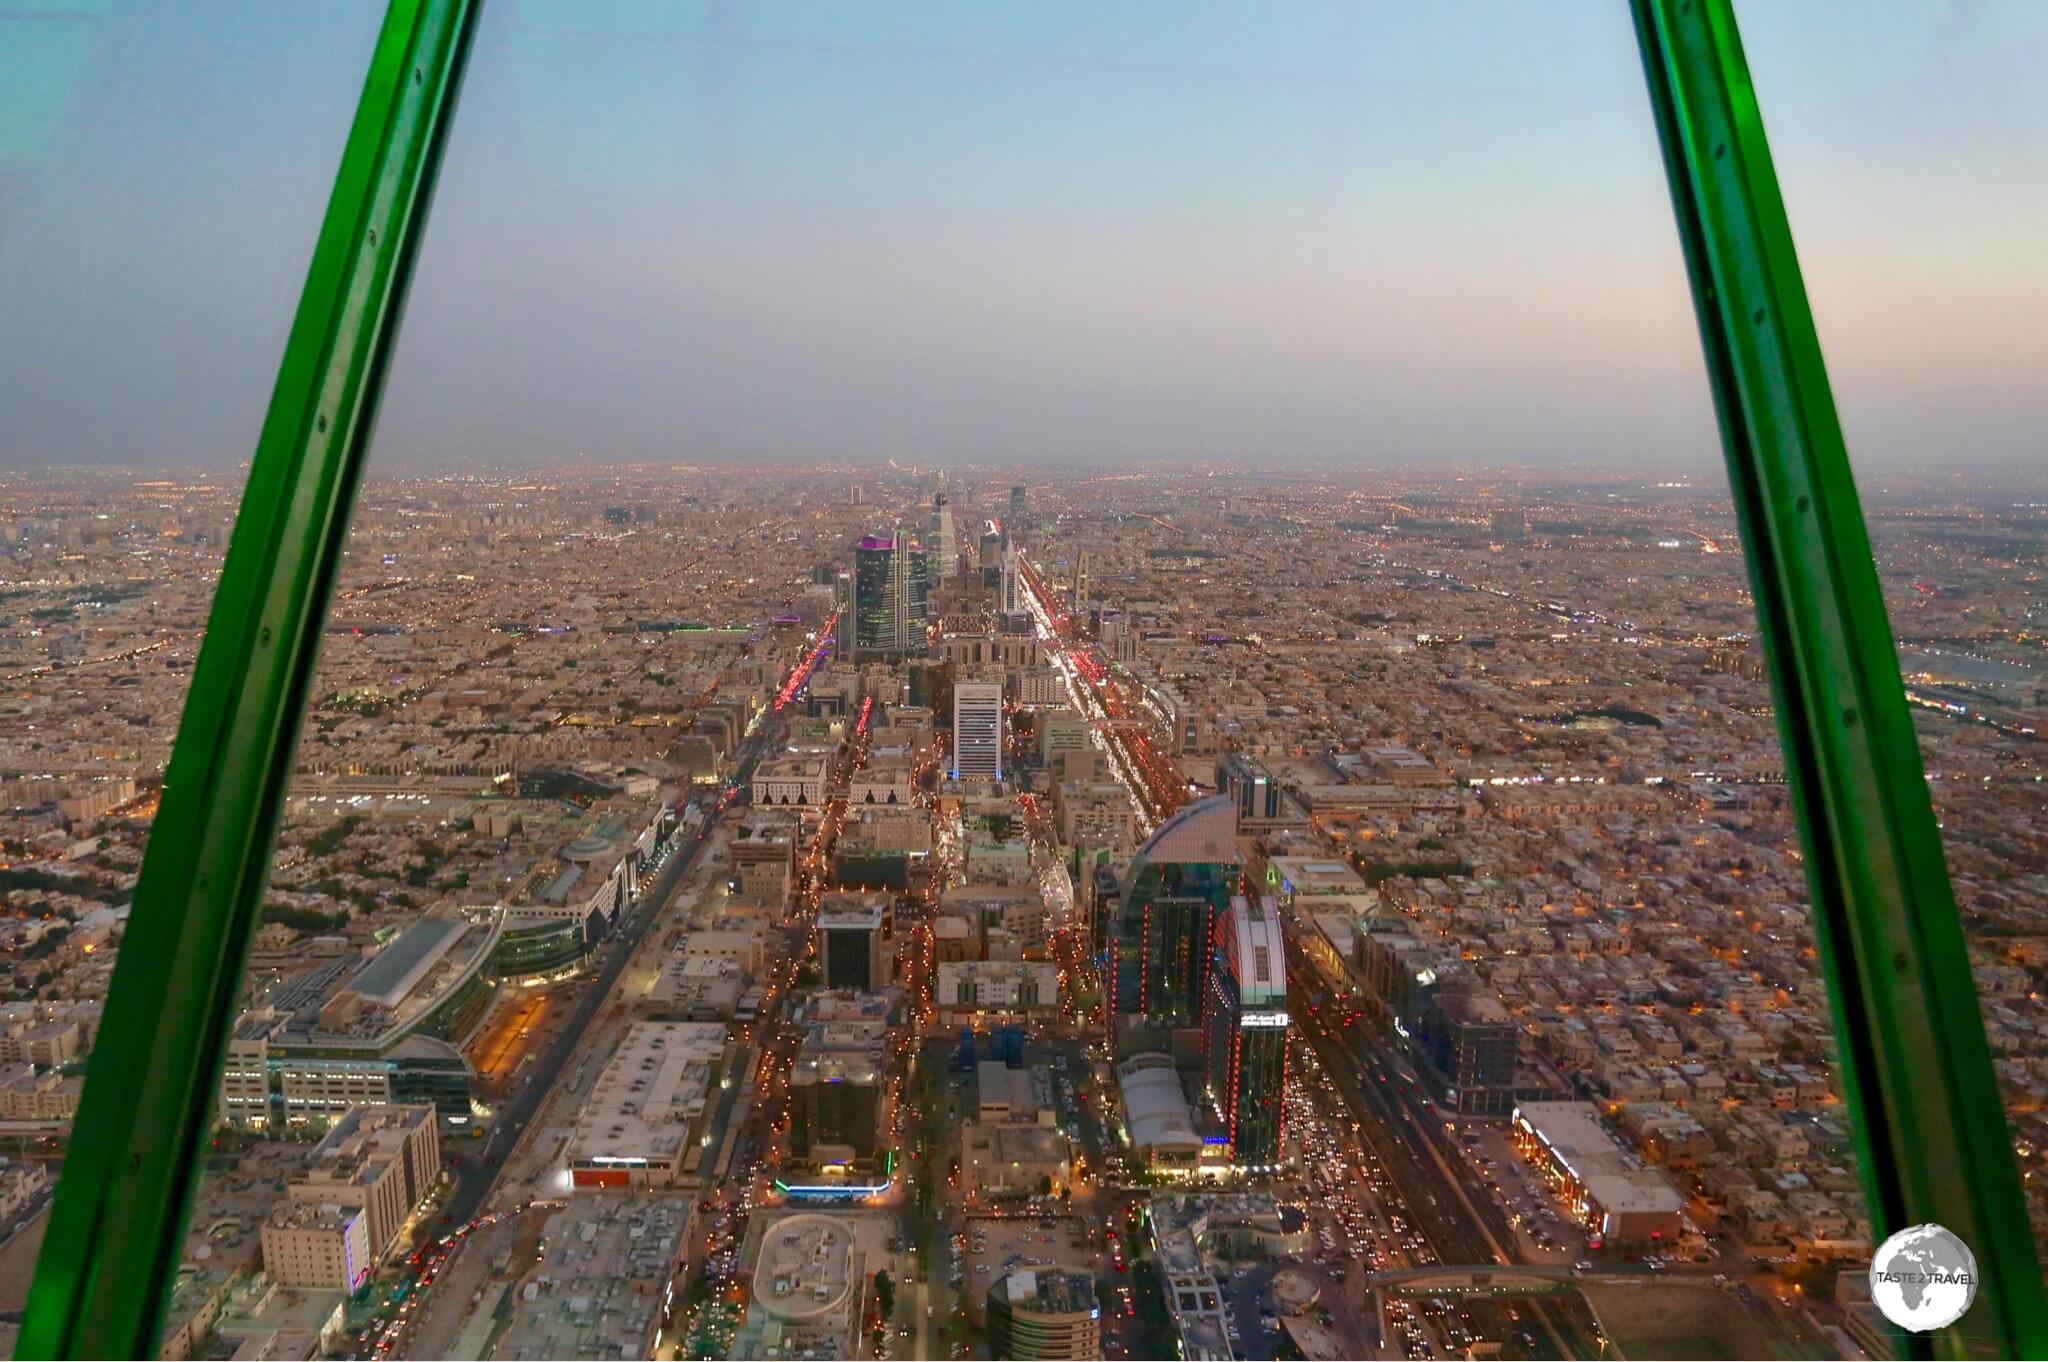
point(1362, 231)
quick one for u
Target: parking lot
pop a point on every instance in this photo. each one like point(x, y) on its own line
point(997, 1246)
point(1544, 1232)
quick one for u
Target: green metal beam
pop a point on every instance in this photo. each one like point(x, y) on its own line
point(1932, 1141)
point(117, 1229)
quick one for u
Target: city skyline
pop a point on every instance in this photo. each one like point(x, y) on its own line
point(1053, 682)
point(1331, 898)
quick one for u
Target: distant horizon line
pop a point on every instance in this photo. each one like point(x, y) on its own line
point(1947, 472)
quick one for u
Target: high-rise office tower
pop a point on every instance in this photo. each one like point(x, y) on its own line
point(991, 548)
point(1114, 629)
point(1252, 787)
point(1020, 512)
point(1244, 1036)
point(1081, 583)
point(835, 1089)
point(1470, 1046)
point(942, 537)
point(1177, 888)
point(1013, 593)
point(977, 730)
point(874, 617)
point(850, 952)
point(916, 625)
point(891, 598)
point(902, 591)
point(855, 497)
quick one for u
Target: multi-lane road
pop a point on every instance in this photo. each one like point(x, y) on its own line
point(1392, 1115)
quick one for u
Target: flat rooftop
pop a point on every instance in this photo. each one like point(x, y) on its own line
point(1049, 1291)
point(364, 1142)
point(1576, 1138)
point(656, 1084)
point(395, 969)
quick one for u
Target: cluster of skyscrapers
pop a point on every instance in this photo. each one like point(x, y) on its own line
point(889, 601)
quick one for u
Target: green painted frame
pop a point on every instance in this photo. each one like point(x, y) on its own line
point(110, 1258)
point(1914, 1057)
point(1932, 1142)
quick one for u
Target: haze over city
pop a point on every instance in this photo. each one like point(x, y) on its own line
point(1437, 237)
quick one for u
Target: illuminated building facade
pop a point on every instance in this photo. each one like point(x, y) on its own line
point(1176, 891)
point(978, 730)
point(891, 598)
point(1047, 1313)
point(1244, 1036)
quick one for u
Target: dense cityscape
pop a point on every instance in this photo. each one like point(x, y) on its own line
point(919, 912)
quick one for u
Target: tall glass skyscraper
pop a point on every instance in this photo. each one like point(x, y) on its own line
point(917, 562)
point(874, 626)
point(1174, 895)
point(891, 598)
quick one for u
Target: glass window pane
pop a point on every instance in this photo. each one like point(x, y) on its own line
point(1910, 153)
point(968, 624)
point(163, 171)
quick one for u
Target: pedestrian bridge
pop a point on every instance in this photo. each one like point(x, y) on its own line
point(1417, 1282)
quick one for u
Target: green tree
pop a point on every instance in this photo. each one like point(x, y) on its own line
point(885, 1295)
point(302, 919)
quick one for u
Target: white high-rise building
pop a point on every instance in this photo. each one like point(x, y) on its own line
point(943, 536)
point(1013, 597)
point(900, 590)
point(978, 730)
point(949, 544)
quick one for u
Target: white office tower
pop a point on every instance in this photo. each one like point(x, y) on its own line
point(978, 730)
point(901, 590)
point(942, 534)
point(1013, 595)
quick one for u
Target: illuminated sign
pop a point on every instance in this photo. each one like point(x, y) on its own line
point(833, 1191)
point(1273, 1020)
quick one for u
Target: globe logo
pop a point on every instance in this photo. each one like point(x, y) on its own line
point(1923, 1278)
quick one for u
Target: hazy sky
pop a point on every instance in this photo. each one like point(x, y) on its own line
point(1272, 232)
